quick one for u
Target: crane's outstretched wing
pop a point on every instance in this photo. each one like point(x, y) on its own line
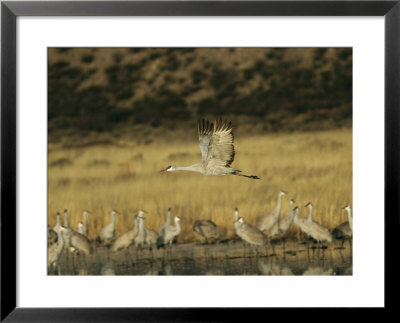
point(216, 142)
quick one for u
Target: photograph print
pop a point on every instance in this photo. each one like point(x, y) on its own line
point(200, 161)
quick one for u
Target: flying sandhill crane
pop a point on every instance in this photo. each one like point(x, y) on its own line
point(217, 151)
point(207, 229)
point(51, 236)
point(84, 228)
point(107, 234)
point(57, 226)
point(344, 230)
point(250, 234)
point(314, 229)
point(170, 232)
point(55, 250)
point(268, 221)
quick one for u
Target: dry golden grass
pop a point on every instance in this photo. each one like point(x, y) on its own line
point(314, 167)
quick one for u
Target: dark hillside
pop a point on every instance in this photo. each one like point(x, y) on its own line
point(121, 90)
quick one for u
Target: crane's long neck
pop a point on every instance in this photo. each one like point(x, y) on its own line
point(85, 219)
point(168, 222)
point(58, 220)
point(177, 225)
point(296, 214)
point(141, 225)
point(350, 217)
point(236, 223)
point(292, 212)
point(66, 220)
point(60, 241)
point(113, 219)
point(309, 213)
point(192, 168)
point(278, 205)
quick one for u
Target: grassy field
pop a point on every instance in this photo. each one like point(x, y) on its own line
point(314, 167)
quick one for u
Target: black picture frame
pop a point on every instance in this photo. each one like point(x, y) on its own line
point(10, 10)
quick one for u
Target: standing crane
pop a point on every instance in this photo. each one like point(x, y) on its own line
point(57, 226)
point(237, 224)
point(217, 151)
point(250, 234)
point(84, 227)
point(268, 221)
point(349, 216)
point(283, 224)
point(67, 233)
point(207, 229)
point(80, 243)
point(314, 229)
point(141, 236)
point(55, 250)
point(151, 238)
point(125, 240)
point(301, 223)
point(344, 230)
point(81, 228)
point(167, 222)
point(108, 232)
point(170, 232)
point(146, 236)
point(52, 236)
point(66, 223)
point(281, 227)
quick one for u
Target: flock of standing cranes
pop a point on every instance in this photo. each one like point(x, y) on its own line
point(273, 226)
point(270, 227)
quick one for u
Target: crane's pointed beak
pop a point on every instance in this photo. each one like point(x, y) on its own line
point(163, 170)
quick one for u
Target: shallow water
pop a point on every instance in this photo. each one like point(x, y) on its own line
point(233, 258)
